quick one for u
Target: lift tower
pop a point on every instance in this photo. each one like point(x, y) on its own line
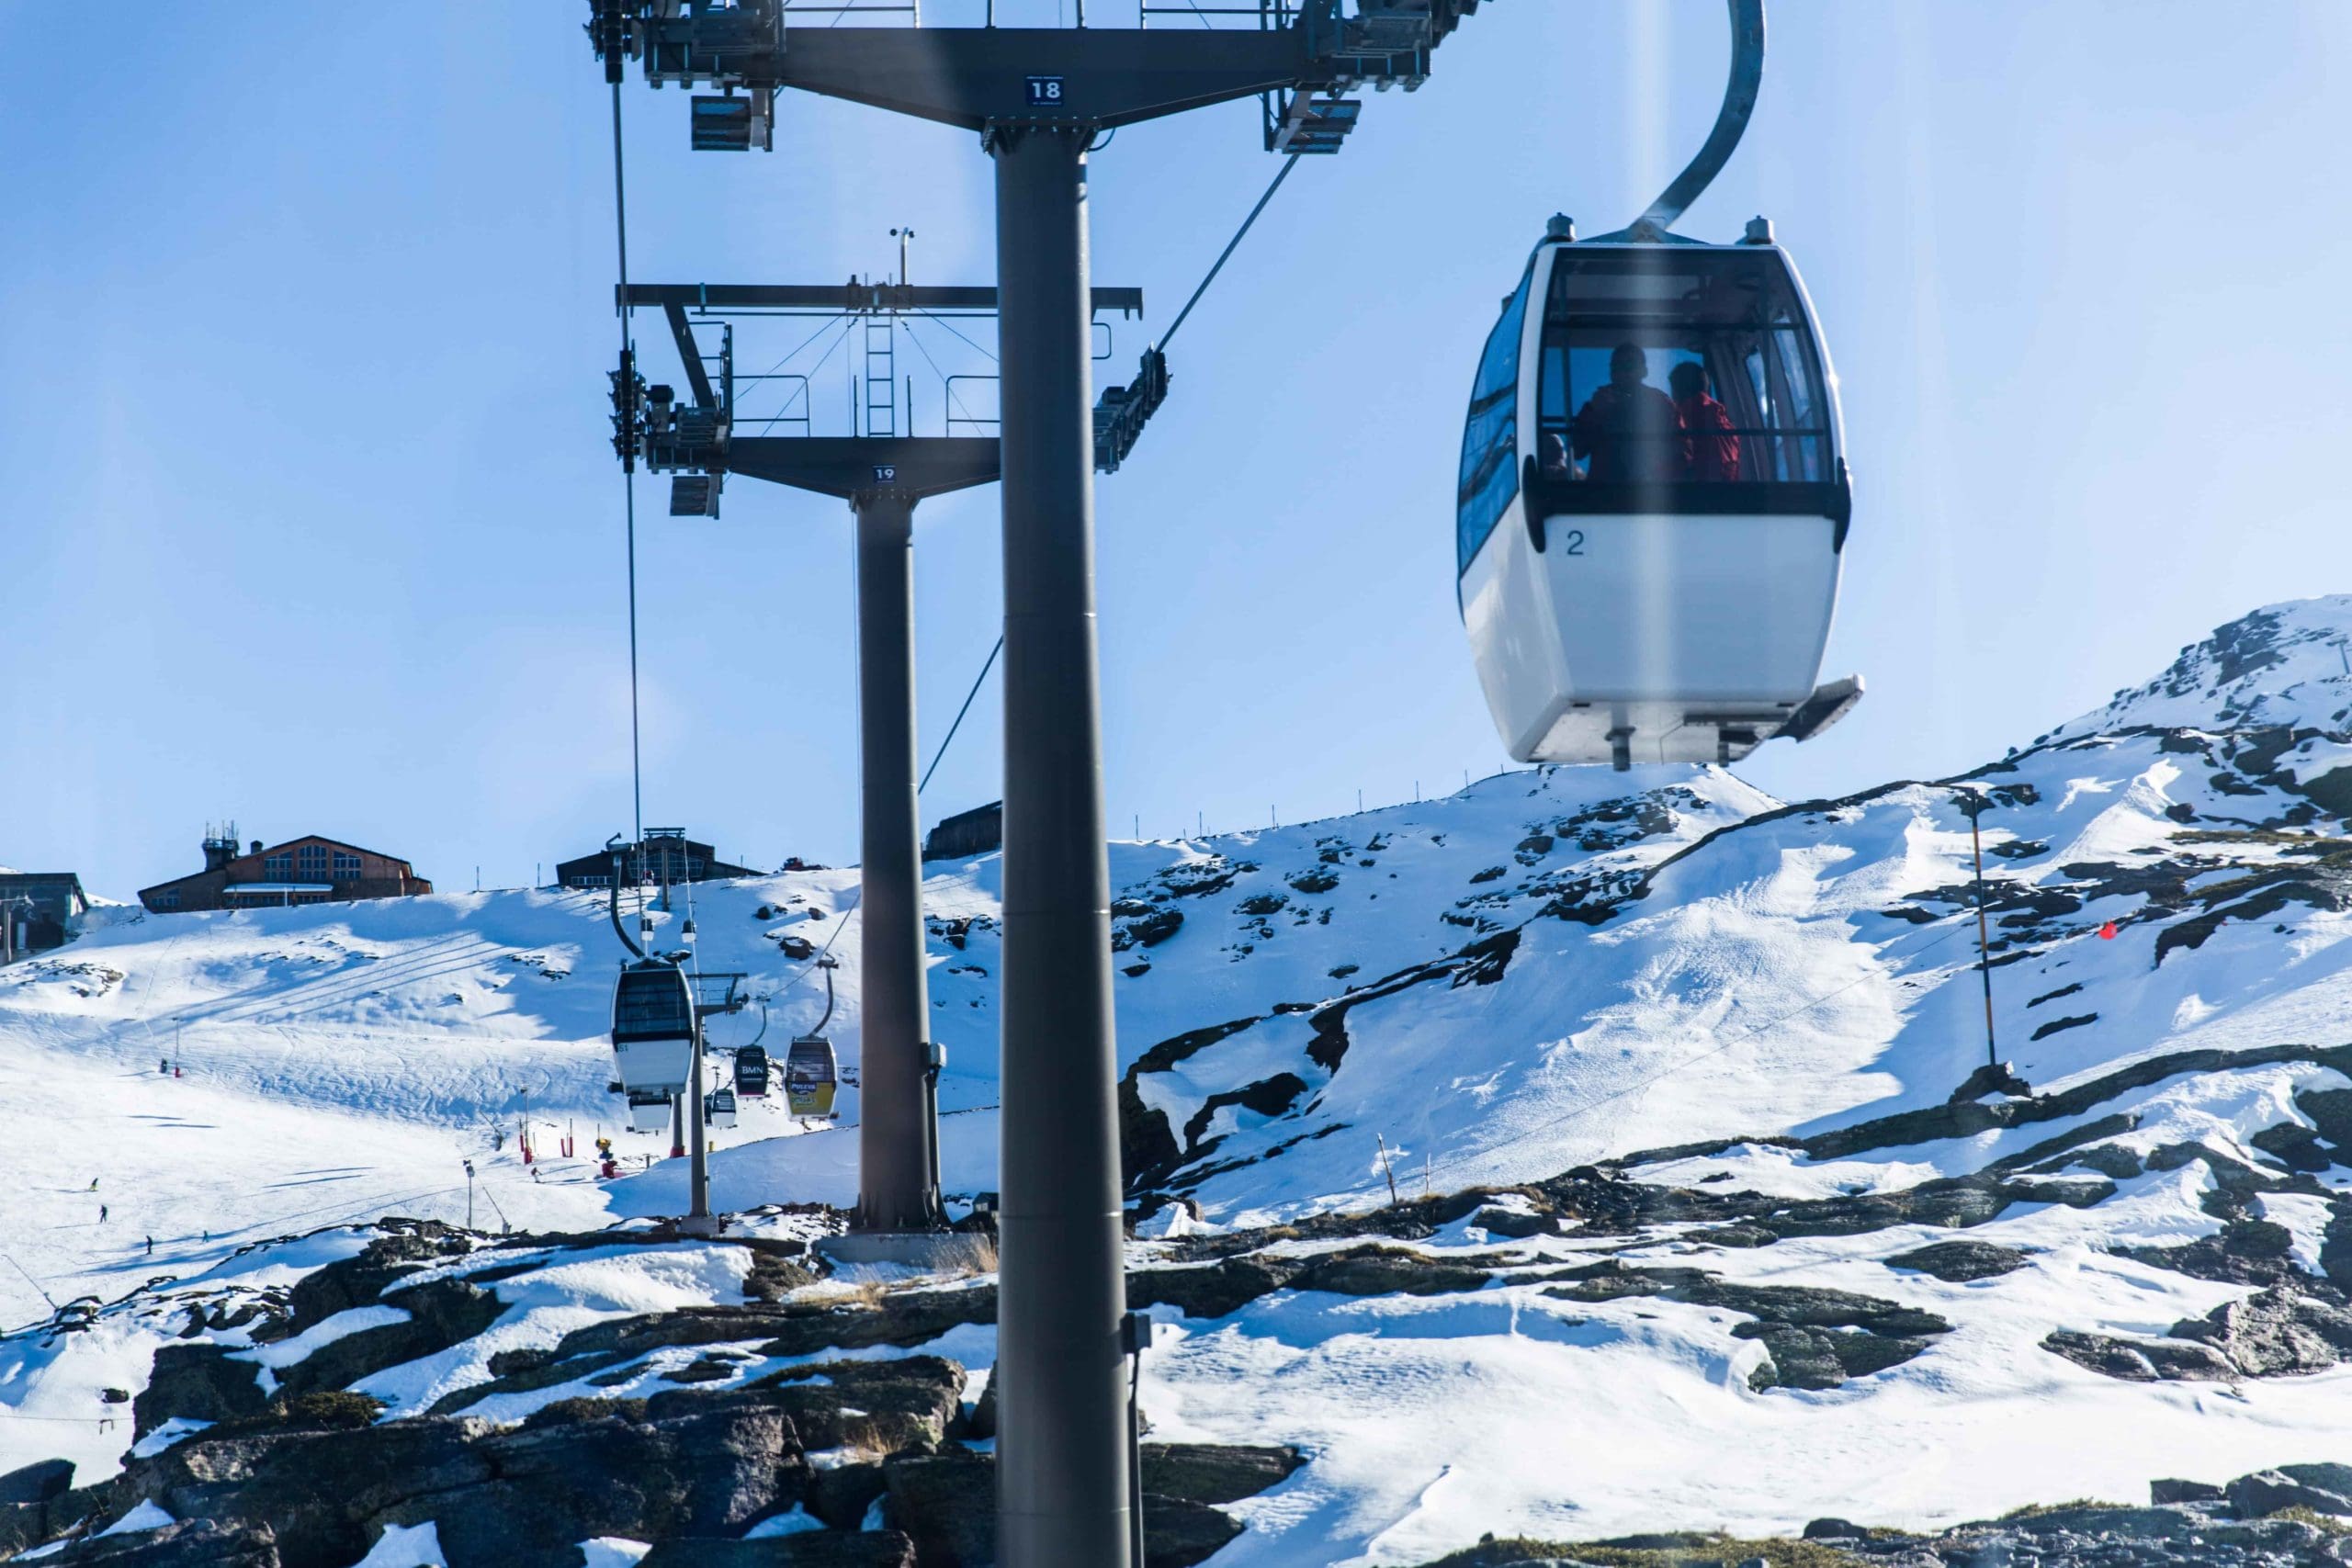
point(882, 469)
point(1038, 98)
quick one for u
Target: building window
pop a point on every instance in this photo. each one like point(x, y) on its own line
point(167, 900)
point(312, 860)
point(347, 867)
point(278, 867)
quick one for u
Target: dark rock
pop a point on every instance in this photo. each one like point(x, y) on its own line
point(358, 1281)
point(319, 1493)
point(2176, 1491)
point(2281, 1329)
point(814, 1549)
point(563, 1412)
point(1820, 1358)
point(1734, 1235)
point(772, 1277)
point(526, 1371)
point(703, 1368)
point(2294, 1146)
point(1513, 1224)
point(1812, 1307)
point(199, 1382)
point(1992, 1078)
point(841, 1494)
point(1179, 1534)
point(2323, 1488)
point(1834, 1529)
point(1956, 1262)
point(904, 1405)
point(946, 1505)
point(442, 1313)
point(1150, 929)
point(2110, 1159)
point(1382, 1272)
point(520, 1498)
point(1209, 1472)
point(2245, 1252)
point(2141, 1361)
point(41, 1482)
point(1212, 1290)
point(2330, 1110)
point(191, 1543)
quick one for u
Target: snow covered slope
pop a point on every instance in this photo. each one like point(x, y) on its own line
point(1754, 1018)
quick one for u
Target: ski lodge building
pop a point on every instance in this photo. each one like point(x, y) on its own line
point(39, 910)
point(666, 857)
point(309, 870)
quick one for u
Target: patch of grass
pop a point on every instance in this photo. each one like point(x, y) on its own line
point(2303, 1514)
point(2035, 1510)
point(336, 1408)
point(1688, 1551)
point(580, 1408)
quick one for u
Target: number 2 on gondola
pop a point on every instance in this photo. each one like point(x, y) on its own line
point(1045, 91)
point(1574, 541)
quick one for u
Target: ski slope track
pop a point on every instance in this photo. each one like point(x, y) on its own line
point(1520, 1158)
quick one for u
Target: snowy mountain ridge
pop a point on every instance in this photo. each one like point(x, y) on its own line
point(1690, 1077)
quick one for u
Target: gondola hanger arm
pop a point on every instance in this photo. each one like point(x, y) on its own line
point(1731, 122)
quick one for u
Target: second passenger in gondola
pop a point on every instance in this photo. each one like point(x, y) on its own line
point(1710, 452)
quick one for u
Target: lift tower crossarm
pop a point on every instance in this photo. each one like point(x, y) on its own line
point(971, 76)
point(975, 77)
point(683, 297)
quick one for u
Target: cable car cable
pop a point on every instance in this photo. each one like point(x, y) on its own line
point(1232, 245)
point(628, 472)
point(1288, 165)
point(985, 665)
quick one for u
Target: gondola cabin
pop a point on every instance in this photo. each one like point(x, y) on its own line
point(649, 1112)
point(1653, 504)
point(719, 1108)
point(653, 1029)
point(751, 1070)
point(810, 1076)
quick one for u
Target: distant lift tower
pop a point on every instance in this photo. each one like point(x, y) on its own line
point(882, 469)
point(1039, 98)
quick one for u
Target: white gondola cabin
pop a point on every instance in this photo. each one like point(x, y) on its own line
point(653, 1030)
point(1653, 503)
point(719, 1108)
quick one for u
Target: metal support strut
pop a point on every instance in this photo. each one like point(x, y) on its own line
point(1062, 1456)
point(1731, 121)
point(896, 1131)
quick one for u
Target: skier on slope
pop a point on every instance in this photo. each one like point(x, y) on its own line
point(102, 1213)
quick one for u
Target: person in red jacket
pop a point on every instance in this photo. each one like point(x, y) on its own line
point(1628, 427)
point(1710, 452)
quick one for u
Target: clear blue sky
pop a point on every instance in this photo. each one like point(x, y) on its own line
point(306, 516)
